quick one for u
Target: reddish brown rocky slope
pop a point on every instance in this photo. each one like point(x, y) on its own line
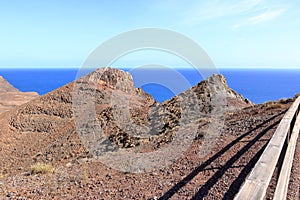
point(43, 130)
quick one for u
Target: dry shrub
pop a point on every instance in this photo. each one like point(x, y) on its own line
point(276, 106)
point(41, 168)
point(283, 101)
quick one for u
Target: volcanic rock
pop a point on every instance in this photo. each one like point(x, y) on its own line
point(51, 127)
point(62, 128)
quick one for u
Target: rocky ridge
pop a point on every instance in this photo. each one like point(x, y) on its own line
point(53, 112)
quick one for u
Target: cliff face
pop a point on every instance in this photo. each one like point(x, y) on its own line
point(11, 97)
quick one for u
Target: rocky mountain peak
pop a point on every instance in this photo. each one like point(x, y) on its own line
point(113, 78)
point(218, 83)
point(217, 78)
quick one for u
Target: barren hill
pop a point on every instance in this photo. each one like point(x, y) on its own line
point(71, 127)
point(11, 97)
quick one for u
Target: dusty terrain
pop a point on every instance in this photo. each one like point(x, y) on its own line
point(213, 166)
point(10, 97)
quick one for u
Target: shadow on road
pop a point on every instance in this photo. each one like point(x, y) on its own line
point(236, 184)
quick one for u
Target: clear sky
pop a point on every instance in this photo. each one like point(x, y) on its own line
point(234, 33)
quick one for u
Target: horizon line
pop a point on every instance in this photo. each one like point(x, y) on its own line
point(125, 67)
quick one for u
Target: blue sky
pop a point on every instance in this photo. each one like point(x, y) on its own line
point(62, 33)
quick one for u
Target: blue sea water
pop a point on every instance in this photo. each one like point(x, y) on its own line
point(258, 85)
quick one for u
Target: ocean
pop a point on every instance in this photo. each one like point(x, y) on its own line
point(258, 85)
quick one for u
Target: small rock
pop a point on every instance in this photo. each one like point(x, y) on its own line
point(109, 175)
point(10, 194)
point(69, 165)
point(27, 174)
point(153, 174)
